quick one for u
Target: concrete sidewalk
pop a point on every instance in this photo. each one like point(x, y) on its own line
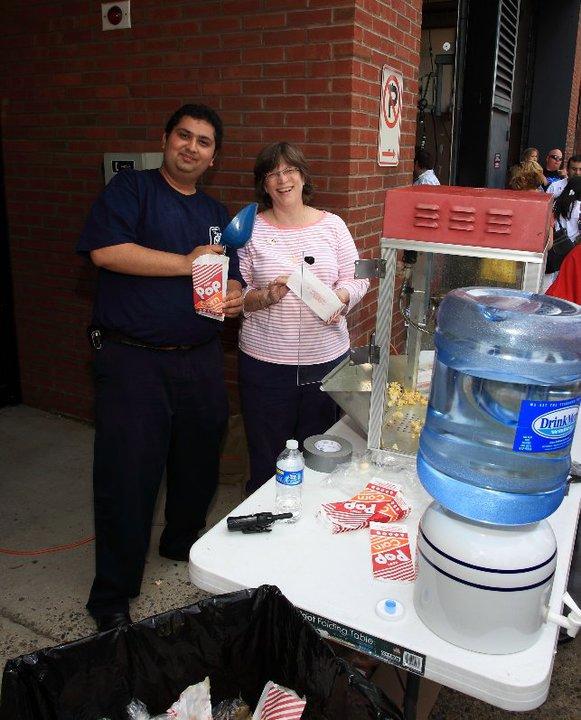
point(45, 501)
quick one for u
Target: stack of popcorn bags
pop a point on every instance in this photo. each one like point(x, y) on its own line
point(381, 507)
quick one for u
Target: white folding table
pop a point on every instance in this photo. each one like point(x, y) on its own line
point(328, 577)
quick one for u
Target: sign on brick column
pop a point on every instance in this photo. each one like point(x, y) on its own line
point(389, 117)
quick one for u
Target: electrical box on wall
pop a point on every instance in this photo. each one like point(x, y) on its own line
point(116, 15)
point(116, 162)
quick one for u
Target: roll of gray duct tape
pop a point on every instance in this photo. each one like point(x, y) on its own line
point(324, 452)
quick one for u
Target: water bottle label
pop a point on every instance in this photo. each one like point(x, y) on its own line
point(545, 426)
point(289, 477)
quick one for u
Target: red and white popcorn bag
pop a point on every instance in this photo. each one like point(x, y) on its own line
point(210, 278)
point(395, 509)
point(278, 703)
point(390, 552)
point(380, 500)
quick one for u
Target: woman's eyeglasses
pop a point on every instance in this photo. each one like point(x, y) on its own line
point(284, 173)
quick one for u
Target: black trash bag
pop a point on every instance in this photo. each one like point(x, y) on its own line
point(240, 640)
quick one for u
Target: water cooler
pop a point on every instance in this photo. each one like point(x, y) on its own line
point(459, 273)
point(494, 453)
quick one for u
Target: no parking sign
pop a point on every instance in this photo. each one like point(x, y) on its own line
point(390, 117)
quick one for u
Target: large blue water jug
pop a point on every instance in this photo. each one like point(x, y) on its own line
point(503, 404)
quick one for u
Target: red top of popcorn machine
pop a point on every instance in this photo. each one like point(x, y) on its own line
point(484, 217)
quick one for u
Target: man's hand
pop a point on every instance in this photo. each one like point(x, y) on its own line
point(202, 250)
point(232, 305)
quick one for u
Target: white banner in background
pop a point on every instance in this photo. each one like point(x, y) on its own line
point(389, 117)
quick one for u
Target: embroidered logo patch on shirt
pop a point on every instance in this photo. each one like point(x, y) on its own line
point(215, 234)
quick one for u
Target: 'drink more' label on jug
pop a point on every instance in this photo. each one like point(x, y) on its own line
point(545, 426)
point(289, 477)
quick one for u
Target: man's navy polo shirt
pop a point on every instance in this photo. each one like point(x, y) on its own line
point(141, 207)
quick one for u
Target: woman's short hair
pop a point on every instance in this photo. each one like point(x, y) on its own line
point(527, 175)
point(268, 160)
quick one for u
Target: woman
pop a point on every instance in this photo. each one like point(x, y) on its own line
point(527, 175)
point(285, 349)
point(567, 284)
point(530, 155)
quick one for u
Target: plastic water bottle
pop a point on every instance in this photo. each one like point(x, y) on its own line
point(504, 400)
point(290, 467)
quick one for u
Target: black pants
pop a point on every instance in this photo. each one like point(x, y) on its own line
point(280, 402)
point(155, 410)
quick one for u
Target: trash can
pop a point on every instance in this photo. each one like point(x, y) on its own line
point(240, 640)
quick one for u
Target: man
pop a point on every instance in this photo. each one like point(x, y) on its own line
point(553, 167)
point(423, 169)
point(573, 170)
point(161, 401)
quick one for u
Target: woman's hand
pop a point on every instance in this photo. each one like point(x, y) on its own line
point(267, 296)
point(343, 295)
point(276, 290)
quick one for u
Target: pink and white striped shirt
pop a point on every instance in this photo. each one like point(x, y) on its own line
point(276, 333)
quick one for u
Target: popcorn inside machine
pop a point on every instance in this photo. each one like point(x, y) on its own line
point(435, 239)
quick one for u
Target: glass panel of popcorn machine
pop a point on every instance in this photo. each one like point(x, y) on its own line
point(326, 305)
point(422, 280)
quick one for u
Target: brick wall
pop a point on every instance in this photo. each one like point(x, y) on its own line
point(305, 71)
point(573, 143)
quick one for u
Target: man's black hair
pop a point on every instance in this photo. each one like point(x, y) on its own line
point(573, 158)
point(198, 112)
point(424, 159)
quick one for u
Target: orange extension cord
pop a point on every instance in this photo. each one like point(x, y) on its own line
point(44, 551)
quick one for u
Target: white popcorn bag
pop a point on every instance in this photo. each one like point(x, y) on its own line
point(314, 293)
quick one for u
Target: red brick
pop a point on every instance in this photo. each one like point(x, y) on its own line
point(263, 20)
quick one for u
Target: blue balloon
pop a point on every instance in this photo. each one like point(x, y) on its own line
point(239, 230)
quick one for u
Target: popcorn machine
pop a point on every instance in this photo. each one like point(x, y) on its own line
point(435, 239)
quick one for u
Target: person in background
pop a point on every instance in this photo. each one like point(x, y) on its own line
point(161, 400)
point(530, 155)
point(573, 170)
point(567, 285)
point(527, 175)
point(285, 348)
point(553, 169)
point(567, 282)
point(423, 169)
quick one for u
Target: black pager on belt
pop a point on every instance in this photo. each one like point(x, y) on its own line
point(257, 523)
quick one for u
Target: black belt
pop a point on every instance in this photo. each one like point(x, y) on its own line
point(96, 336)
